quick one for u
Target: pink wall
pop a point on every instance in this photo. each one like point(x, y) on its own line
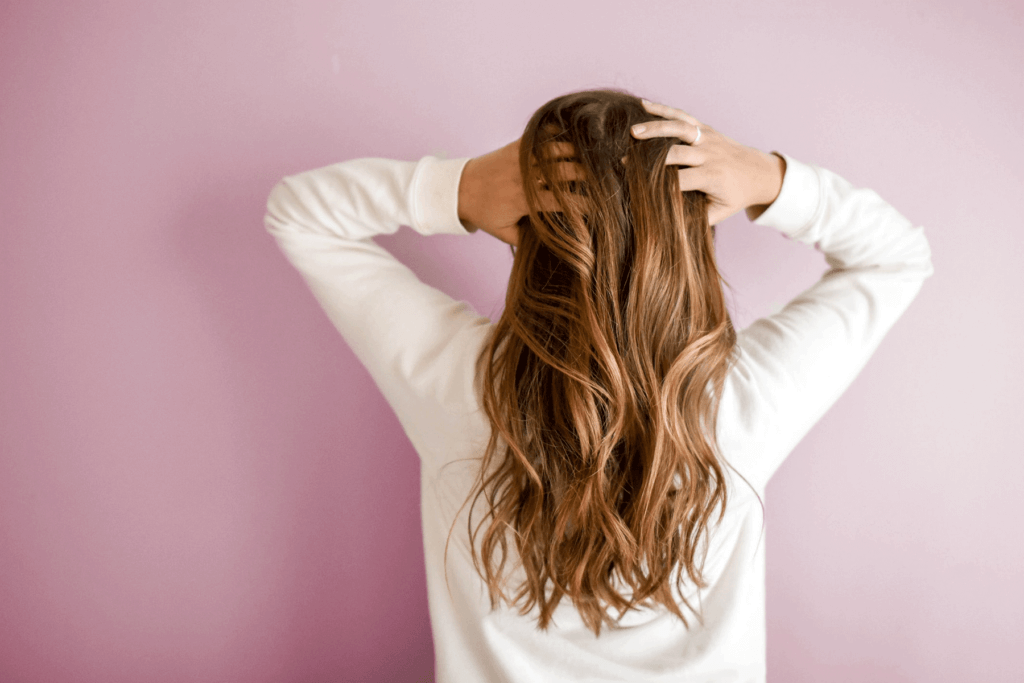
point(199, 482)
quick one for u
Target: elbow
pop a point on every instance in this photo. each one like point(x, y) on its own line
point(925, 259)
point(279, 213)
point(915, 254)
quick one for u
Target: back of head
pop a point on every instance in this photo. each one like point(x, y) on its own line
point(599, 373)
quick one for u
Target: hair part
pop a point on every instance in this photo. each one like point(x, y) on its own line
point(603, 374)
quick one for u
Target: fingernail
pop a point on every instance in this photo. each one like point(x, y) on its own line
point(639, 128)
point(645, 101)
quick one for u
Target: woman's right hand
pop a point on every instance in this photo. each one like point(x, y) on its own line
point(733, 176)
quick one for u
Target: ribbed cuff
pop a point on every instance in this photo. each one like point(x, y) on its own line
point(435, 193)
point(796, 207)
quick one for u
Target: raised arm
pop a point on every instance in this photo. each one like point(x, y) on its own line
point(412, 338)
point(793, 365)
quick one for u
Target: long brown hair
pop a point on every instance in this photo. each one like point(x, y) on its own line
point(598, 376)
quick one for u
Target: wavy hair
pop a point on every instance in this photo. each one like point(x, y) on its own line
point(603, 373)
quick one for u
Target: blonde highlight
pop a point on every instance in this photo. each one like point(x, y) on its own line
point(603, 374)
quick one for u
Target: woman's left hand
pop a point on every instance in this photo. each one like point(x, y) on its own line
point(491, 196)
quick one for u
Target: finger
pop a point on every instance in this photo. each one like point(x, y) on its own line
point(692, 179)
point(568, 202)
point(560, 172)
point(555, 152)
point(687, 132)
point(670, 112)
point(560, 150)
point(684, 155)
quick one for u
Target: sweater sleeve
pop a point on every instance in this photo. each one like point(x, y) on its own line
point(411, 337)
point(793, 365)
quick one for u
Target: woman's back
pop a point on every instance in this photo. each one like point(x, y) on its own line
point(474, 643)
point(420, 345)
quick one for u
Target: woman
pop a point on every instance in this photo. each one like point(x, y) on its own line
point(580, 457)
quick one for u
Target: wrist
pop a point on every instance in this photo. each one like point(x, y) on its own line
point(467, 193)
point(770, 185)
point(775, 171)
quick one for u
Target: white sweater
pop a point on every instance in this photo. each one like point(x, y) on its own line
point(419, 345)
